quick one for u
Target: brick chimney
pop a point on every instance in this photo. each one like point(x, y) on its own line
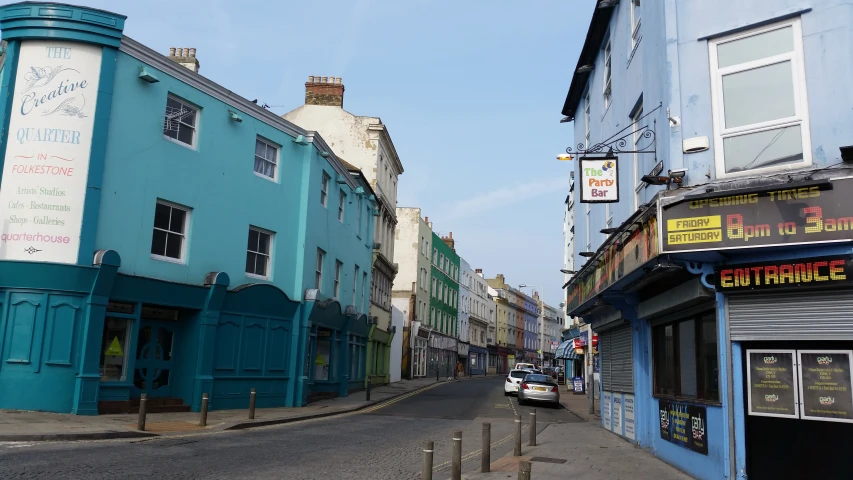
point(326, 91)
point(449, 241)
point(185, 57)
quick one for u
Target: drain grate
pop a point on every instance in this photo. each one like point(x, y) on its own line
point(547, 460)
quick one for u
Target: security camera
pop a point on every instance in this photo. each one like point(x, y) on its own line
point(678, 173)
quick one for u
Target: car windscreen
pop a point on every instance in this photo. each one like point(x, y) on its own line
point(517, 374)
point(537, 379)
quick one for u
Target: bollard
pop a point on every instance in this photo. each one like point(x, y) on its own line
point(456, 469)
point(524, 470)
point(368, 389)
point(485, 457)
point(517, 451)
point(426, 462)
point(252, 395)
point(532, 442)
point(205, 398)
point(143, 407)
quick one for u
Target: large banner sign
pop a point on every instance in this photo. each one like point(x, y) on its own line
point(47, 153)
point(816, 213)
point(684, 424)
point(836, 270)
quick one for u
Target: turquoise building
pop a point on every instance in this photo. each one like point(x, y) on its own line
point(163, 235)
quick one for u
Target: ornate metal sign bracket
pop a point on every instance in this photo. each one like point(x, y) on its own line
point(617, 143)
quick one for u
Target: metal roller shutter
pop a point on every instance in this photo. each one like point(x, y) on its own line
point(617, 360)
point(826, 315)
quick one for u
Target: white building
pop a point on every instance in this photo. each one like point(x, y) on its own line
point(411, 294)
point(551, 321)
point(568, 247)
point(481, 321)
point(365, 143)
point(465, 279)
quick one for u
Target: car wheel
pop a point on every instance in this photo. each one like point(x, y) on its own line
point(521, 401)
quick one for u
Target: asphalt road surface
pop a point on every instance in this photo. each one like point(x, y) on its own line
point(380, 443)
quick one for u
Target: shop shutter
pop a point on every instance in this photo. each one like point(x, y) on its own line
point(617, 360)
point(808, 315)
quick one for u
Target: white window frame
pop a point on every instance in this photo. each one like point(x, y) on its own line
point(337, 286)
point(800, 118)
point(184, 234)
point(267, 255)
point(274, 161)
point(194, 128)
point(586, 113)
point(324, 189)
point(318, 272)
point(342, 202)
point(355, 284)
point(638, 183)
point(636, 23)
point(607, 90)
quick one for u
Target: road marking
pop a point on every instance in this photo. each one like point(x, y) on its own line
point(512, 404)
point(476, 453)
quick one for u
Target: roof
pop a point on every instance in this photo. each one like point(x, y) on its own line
point(356, 172)
point(594, 36)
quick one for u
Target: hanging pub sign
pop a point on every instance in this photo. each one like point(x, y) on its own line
point(825, 385)
point(599, 179)
point(684, 425)
point(771, 376)
point(835, 270)
point(812, 212)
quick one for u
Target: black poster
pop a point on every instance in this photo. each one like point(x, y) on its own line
point(772, 391)
point(825, 385)
point(684, 425)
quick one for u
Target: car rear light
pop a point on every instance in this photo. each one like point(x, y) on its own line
point(508, 380)
point(554, 389)
point(524, 386)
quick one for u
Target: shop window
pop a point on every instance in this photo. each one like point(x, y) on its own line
point(170, 226)
point(686, 358)
point(114, 349)
point(258, 253)
point(338, 267)
point(266, 159)
point(324, 359)
point(180, 122)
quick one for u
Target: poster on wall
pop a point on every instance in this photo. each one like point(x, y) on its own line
point(825, 385)
point(771, 377)
point(605, 410)
point(617, 413)
point(599, 179)
point(46, 166)
point(684, 425)
point(629, 419)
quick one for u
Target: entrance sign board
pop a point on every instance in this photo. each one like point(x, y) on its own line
point(599, 179)
point(835, 270)
point(684, 424)
point(617, 413)
point(605, 410)
point(816, 212)
point(771, 379)
point(826, 385)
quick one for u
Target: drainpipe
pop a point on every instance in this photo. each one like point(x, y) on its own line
point(673, 100)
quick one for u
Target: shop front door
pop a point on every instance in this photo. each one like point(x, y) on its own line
point(155, 358)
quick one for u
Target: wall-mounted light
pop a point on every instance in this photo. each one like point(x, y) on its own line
point(146, 75)
point(564, 157)
point(586, 254)
point(234, 116)
point(608, 231)
point(568, 272)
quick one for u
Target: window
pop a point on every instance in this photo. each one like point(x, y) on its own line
point(759, 100)
point(635, 23)
point(354, 284)
point(685, 358)
point(258, 252)
point(342, 200)
point(324, 189)
point(338, 267)
point(180, 122)
point(363, 285)
point(266, 159)
point(114, 349)
point(170, 226)
point(607, 75)
point(638, 166)
point(318, 278)
point(586, 110)
point(358, 217)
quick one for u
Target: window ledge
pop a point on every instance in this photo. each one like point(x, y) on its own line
point(634, 50)
point(178, 142)
point(257, 277)
point(266, 177)
point(178, 261)
point(696, 401)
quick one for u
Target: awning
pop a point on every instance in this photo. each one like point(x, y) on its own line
point(564, 349)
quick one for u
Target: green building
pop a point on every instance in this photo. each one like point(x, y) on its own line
point(444, 305)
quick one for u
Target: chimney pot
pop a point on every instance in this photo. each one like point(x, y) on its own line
point(451, 234)
point(323, 79)
point(426, 219)
point(338, 81)
point(311, 79)
point(192, 52)
point(171, 51)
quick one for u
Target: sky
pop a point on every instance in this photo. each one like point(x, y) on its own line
point(470, 91)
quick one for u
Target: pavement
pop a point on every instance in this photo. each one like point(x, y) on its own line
point(28, 426)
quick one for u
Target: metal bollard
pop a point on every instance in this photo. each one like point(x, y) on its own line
point(426, 462)
point(205, 398)
point(532, 442)
point(252, 395)
point(524, 470)
point(143, 407)
point(368, 390)
point(517, 451)
point(486, 455)
point(456, 469)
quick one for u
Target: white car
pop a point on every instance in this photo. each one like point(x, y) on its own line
point(513, 381)
point(524, 366)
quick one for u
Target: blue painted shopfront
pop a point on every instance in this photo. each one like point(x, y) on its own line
point(116, 321)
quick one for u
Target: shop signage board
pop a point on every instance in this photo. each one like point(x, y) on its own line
point(605, 410)
point(45, 173)
point(629, 418)
point(599, 179)
point(826, 385)
point(815, 212)
point(684, 424)
point(771, 377)
point(617, 413)
point(817, 271)
point(577, 384)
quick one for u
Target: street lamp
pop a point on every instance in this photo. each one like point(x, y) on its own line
point(568, 272)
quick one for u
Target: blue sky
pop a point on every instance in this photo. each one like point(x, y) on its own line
point(471, 92)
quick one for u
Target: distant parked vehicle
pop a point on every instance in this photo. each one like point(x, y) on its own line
point(523, 366)
point(539, 388)
point(513, 381)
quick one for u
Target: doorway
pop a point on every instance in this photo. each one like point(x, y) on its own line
point(155, 358)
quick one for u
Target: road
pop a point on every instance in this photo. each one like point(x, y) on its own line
point(381, 443)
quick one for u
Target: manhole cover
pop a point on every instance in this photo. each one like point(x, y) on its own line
point(547, 460)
